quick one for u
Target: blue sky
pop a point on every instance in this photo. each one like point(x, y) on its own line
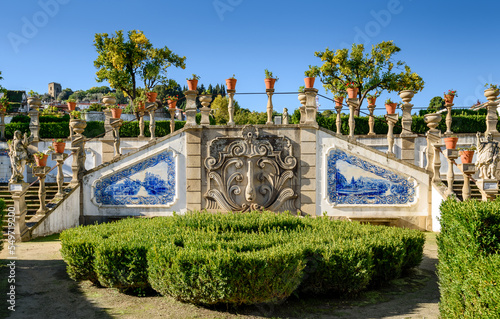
point(452, 45)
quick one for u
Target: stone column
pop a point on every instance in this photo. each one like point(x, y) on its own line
point(41, 172)
point(468, 170)
point(18, 192)
point(311, 109)
point(353, 105)
point(230, 107)
point(205, 110)
point(391, 120)
point(78, 151)
point(433, 136)
point(448, 119)
point(150, 108)
point(492, 115)
point(172, 119)
point(108, 139)
point(338, 120)
point(451, 155)
point(436, 163)
point(193, 169)
point(34, 104)
point(407, 136)
point(270, 93)
point(191, 107)
point(141, 124)
point(307, 162)
point(2, 126)
point(59, 158)
point(116, 124)
point(371, 120)
point(302, 98)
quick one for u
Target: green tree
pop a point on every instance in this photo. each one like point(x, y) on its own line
point(123, 63)
point(436, 104)
point(65, 94)
point(368, 71)
point(219, 109)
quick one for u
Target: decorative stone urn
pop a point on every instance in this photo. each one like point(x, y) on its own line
point(108, 100)
point(77, 125)
point(34, 102)
point(432, 120)
point(406, 95)
point(491, 94)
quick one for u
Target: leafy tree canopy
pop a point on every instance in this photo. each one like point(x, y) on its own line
point(371, 71)
point(124, 62)
point(436, 103)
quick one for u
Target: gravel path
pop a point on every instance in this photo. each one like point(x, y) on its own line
point(44, 291)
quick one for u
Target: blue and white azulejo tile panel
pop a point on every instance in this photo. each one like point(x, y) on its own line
point(149, 182)
point(353, 181)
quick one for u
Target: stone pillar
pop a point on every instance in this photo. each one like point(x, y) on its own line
point(108, 139)
point(78, 151)
point(205, 110)
point(270, 93)
point(407, 136)
point(193, 169)
point(59, 158)
point(230, 106)
point(338, 120)
point(311, 109)
point(391, 120)
point(448, 119)
point(488, 188)
point(451, 155)
point(116, 124)
point(191, 107)
point(371, 120)
point(2, 126)
point(41, 172)
point(436, 163)
point(308, 171)
point(172, 119)
point(492, 115)
point(18, 192)
point(468, 170)
point(433, 136)
point(302, 98)
point(141, 124)
point(150, 108)
point(353, 105)
point(34, 104)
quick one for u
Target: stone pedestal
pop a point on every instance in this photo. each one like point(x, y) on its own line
point(59, 158)
point(311, 108)
point(338, 120)
point(451, 155)
point(107, 140)
point(172, 119)
point(353, 106)
point(371, 120)
point(468, 170)
point(269, 108)
point(116, 124)
point(35, 124)
point(141, 123)
point(433, 136)
point(78, 151)
point(41, 172)
point(488, 188)
point(191, 107)
point(302, 98)
point(436, 163)
point(205, 110)
point(230, 106)
point(18, 192)
point(408, 148)
point(448, 119)
point(150, 108)
point(391, 120)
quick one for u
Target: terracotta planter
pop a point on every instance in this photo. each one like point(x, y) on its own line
point(172, 104)
point(391, 108)
point(448, 99)
point(41, 161)
point(269, 83)
point(140, 105)
point(231, 84)
point(309, 81)
point(192, 85)
point(71, 106)
point(371, 100)
point(59, 147)
point(151, 96)
point(338, 101)
point(116, 113)
point(466, 156)
point(450, 142)
point(352, 93)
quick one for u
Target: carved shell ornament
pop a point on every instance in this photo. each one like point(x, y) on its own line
point(250, 172)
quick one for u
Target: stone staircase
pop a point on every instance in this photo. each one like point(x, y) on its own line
point(457, 188)
point(32, 201)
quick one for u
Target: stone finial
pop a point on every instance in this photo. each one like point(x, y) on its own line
point(205, 110)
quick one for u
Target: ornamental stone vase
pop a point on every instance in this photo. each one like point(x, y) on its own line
point(108, 100)
point(406, 95)
point(34, 102)
point(432, 120)
point(78, 125)
point(491, 94)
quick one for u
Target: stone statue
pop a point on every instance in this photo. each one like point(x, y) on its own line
point(487, 156)
point(19, 156)
point(285, 116)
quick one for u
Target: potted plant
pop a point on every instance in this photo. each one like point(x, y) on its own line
point(451, 142)
point(193, 82)
point(116, 111)
point(151, 96)
point(270, 79)
point(491, 91)
point(41, 158)
point(76, 115)
point(352, 90)
point(339, 98)
point(311, 75)
point(140, 102)
point(231, 83)
point(448, 97)
point(172, 101)
point(372, 98)
point(71, 104)
point(58, 145)
point(467, 154)
point(33, 99)
point(4, 102)
point(390, 106)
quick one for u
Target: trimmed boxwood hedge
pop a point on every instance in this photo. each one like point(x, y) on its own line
point(469, 259)
point(239, 258)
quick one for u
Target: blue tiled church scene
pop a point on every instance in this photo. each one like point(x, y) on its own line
point(151, 182)
point(351, 180)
